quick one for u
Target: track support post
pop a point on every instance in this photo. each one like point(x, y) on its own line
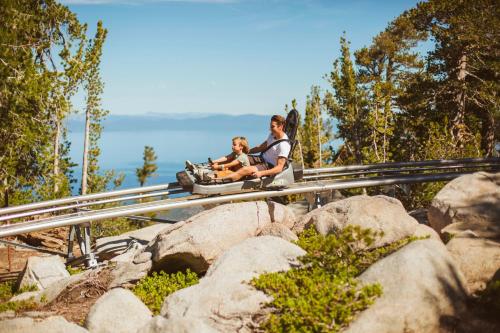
point(82, 234)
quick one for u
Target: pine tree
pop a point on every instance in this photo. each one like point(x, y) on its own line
point(315, 132)
point(383, 66)
point(464, 68)
point(30, 102)
point(347, 103)
point(149, 167)
point(92, 181)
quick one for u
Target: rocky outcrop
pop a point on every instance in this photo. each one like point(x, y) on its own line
point(470, 202)
point(224, 301)
point(478, 258)
point(198, 241)
point(425, 231)
point(281, 214)
point(117, 311)
point(467, 213)
point(423, 291)
point(378, 213)
point(42, 272)
point(50, 293)
point(54, 324)
point(201, 239)
point(127, 273)
point(109, 247)
point(278, 230)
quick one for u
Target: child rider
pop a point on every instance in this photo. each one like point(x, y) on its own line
point(238, 159)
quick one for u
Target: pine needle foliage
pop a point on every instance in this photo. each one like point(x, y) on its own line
point(324, 295)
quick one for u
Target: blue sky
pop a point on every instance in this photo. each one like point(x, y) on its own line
point(224, 56)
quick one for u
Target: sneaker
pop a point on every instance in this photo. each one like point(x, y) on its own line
point(190, 166)
point(197, 174)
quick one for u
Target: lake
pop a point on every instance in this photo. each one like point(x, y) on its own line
point(123, 150)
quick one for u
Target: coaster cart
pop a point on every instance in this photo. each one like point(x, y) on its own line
point(290, 174)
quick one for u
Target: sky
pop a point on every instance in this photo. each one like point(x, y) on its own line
point(224, 56)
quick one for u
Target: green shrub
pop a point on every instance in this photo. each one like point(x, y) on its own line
point(74, 270)
point(153, 289)
point(30, 287)
point(7, 291)
point(29, 304)
point(324, 295)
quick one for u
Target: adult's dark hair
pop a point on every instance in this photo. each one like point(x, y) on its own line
point(280, 120)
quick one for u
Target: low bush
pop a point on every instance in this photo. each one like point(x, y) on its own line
point(153, 289)
point(324, 295)
point(16, 306)
point(74, 270)
point(7, 291)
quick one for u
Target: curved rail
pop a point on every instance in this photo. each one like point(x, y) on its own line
point(388, 173)
point(161, 205)
point(89, 197)
point(385, 171)
point(402, 165)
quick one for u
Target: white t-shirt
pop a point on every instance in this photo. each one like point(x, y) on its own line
point(282, 149)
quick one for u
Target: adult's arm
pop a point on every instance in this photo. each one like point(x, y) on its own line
point(273, 171)
point(259, 148)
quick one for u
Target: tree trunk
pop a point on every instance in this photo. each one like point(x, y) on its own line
point(488, 133)
point(85, 164)
point(458, 124)
point(56, 156)
point(319, 135)
point(6, 193)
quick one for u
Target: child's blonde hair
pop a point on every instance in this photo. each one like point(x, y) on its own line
point(243, 142)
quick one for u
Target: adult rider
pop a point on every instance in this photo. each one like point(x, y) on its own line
point(273, 159)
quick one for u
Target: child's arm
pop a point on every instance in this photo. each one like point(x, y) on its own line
point(226, 166)
point(222, 160)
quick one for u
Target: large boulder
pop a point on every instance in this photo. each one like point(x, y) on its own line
point(159, 324)
point(470, 202)
point(109, 247)
point(477, 258)
point(423, 291)
point(50, 293)
point(136, 262)
point(42, 272)
point(127, 273)
point(54, 324)
point(202, 238)
point(378, 213)
point(281, 214)
point(278, 230)
point(224, 301)
point(117, 311)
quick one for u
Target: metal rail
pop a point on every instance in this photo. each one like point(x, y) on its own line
point(402, 165)
point(161, 205)
point(89, 197)
point(85, 204)
point(385, 171)
point(309, 174)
